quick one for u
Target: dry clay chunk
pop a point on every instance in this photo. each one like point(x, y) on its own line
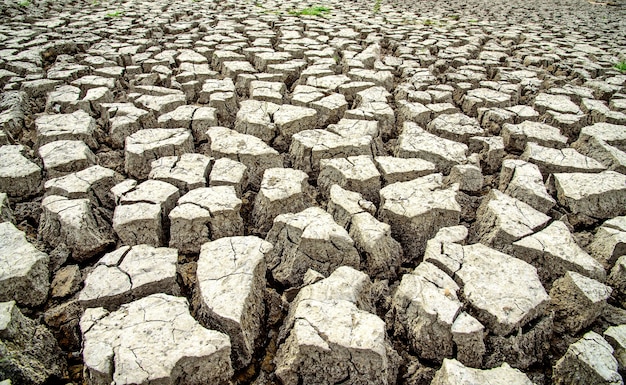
point(355, 173)
point(247, 149)
point(145, 146)
point(75, 223)
point(138, 218)
point(63, 157)
point(502, 220)
point(309, 147)
point(23, 268)
point(505, 292)
point(130, 273)
point(577, 301)
point(204, 214)
point(309, 239)
point(522, 180)
point(330, 336)
point(588, 361)
point(601, 195)
point(425, 306)
point(554, 251)
point(186, 172)
point(609, 242)
point(94, 183)
point(152, 340)
point(382, 255)
point(415, 142)
point(75, 126)
point(283, 190)
point(19, 177)
point(417, 209)
point(231, 282)
point(453, 372)
point(30, 354)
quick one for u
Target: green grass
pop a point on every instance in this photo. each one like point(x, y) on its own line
point(377, 5)
point(620, 66)
point(24, 3)
point(114, 14)
point(311, 11)
point(428, 22)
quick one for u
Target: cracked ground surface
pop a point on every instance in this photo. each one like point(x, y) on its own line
point(505, 118)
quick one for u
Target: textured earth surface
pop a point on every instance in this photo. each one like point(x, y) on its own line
point(363, 192)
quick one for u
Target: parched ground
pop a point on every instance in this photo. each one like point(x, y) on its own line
point(380, 192)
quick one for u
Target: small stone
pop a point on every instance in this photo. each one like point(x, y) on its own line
point(66, 281)
point(588, 361)
point(140, 343)
point(24, 273)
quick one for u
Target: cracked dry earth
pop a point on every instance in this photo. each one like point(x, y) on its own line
point(229, 192)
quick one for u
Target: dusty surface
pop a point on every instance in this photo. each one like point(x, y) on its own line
point(389, 192)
